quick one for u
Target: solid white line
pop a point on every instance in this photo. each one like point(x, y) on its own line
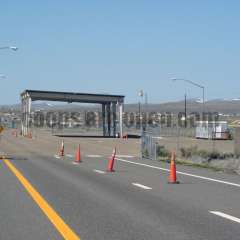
point(182, 173)
point(75, 163)
point(126, 156)
point(158, 137)
point(141, 186)
point(69, 155)
point(94, 156)
point(99, 171)
point(224, 215)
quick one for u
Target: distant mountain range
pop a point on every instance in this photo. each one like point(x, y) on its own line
point(225, 106)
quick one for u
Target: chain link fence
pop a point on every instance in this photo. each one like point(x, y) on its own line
point(158, 143)
point(148, 146)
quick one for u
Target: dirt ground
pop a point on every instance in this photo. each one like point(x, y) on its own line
point(45, 144)
point(42, 142)
point(222, 146)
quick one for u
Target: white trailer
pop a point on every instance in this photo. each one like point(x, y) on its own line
point(212, 130)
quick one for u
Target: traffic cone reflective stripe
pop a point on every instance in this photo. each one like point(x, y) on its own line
point(173, 172)
point(111, 161)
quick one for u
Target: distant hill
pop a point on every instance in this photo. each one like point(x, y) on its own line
point(225, 106)
point(193, 105)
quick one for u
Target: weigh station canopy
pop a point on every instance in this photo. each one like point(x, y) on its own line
point(112, 107)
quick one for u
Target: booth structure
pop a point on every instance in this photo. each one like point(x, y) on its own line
point(112, 107)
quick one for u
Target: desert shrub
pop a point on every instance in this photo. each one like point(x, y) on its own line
point(203, 153)
point(230, 155)
point(145, 153)
point(214, 155)
point(188, 152)
point(193, 151)
point(217, 155)
point(162, 151)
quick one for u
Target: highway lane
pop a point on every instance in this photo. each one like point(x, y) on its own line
point(20, 216)
point(108, 206)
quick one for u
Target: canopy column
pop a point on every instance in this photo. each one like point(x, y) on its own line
point(26, 113)
point(109, 119)
point(114, 118)
point(120, 118)
point(104, 119)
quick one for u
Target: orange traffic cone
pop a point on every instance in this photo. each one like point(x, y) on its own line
point(173, 172)
point(78, 155)
point(14, 133)
point(30, 135)
point(125, 136)
point(61, 152)
point(111, 161)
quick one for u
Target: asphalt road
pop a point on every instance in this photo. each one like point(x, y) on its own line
point(134, 202)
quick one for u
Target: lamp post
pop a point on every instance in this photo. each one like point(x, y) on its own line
point(140, 94)
point(9, 47)
point(185, 110)
point(195, 84)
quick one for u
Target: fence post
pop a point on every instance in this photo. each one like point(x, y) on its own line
point(155, 151)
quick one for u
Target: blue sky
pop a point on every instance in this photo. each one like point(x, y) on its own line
point(121, 47)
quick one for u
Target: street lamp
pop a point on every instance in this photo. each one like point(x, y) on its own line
point(140, 94)
point(10, 47)
point(195, 84)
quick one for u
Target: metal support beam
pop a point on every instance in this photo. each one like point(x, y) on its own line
point(26, 117)
point(114, 118)
point(26, 111)
point(72, 97)
point(109, 119)
point(23, 115)
point(120, 116)
point(29, 114)
point(104, 119)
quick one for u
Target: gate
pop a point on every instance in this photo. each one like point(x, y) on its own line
point(149, 144)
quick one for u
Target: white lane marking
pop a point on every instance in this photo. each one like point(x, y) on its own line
point(99, 171)
point(94, 156)
point(69, 155)
point(182, 173)
point(158, 137)
point(126, 156)
point(75, 163)
point(56, 156)
point(141, 186)
point(224, 215)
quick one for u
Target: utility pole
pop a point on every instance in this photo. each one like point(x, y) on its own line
point(185, 111)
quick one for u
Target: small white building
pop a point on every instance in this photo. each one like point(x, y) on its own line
point(212, 130)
